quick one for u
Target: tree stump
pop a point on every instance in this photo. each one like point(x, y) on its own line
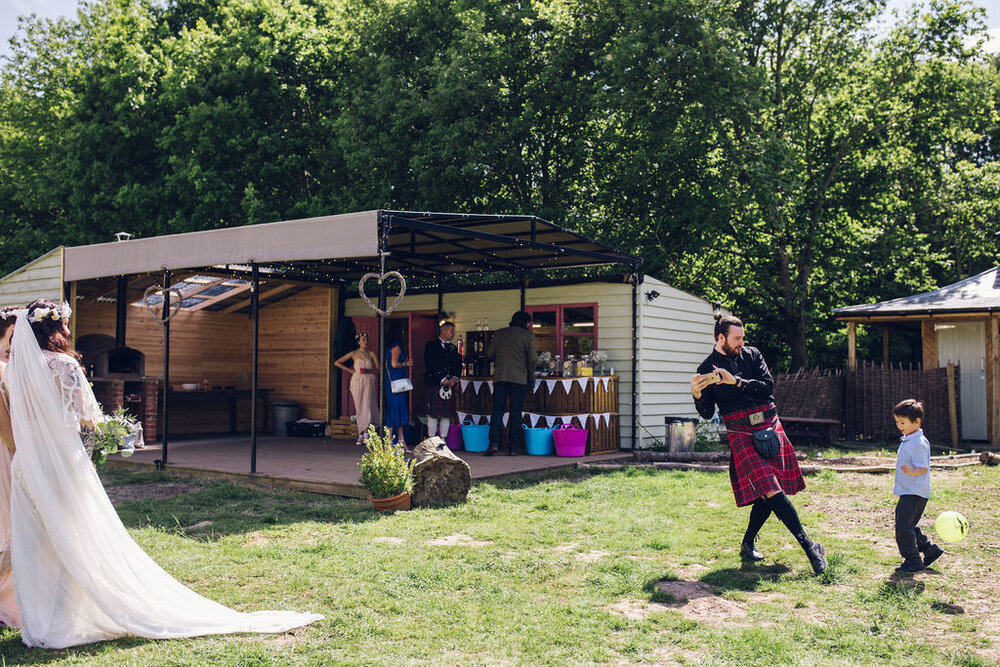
point(989, 458)
point(439, 477)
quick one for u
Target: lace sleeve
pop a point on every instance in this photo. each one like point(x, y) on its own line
point(81, 408)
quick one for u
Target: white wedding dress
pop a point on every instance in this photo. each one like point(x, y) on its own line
point(78, 575)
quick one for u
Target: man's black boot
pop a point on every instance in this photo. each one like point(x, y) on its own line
point(815, 552)
point(749, 552)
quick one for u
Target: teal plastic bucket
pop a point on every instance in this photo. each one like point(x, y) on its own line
point(538, 441)
point(475, 437)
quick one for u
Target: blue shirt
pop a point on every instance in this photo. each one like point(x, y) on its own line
point(914, 451)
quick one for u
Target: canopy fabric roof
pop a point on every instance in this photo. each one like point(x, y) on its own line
point(345, 247)
point(979, 293)
point(348, 235)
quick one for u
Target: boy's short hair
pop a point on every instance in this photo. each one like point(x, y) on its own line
point(911, 409)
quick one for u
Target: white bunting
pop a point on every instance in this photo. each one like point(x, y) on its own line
point(567, 384)
point(551, 385)
point(538, 383)
point(606, 418)
point(506, 418)
point(463, 384)
point(476, 386)
point(462, 416)
point(583, 383)
point(489, 383)
point(583, 420)
point(550, 420)
point(606, 381)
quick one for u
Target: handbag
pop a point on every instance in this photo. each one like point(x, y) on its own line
point(766, 442)
point(401, 385)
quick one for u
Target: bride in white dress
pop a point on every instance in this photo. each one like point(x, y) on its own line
point(78, 575)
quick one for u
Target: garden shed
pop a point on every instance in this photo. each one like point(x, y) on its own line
point(957, 324)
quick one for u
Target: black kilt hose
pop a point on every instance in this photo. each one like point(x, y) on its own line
point(753, 476)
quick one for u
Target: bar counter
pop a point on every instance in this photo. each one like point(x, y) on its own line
point(590, 402)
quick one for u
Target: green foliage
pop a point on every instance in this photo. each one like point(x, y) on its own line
point(385, 472)
point(782, 162)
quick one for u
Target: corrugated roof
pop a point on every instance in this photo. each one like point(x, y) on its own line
point(979, 293)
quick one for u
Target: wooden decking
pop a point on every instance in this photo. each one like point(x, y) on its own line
point(316, 465)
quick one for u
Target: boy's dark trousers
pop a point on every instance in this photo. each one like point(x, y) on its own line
point(909, 539)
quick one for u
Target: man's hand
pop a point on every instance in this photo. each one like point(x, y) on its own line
point(727, 377)
point(699, 382)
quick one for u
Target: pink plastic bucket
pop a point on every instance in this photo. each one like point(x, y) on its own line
point(570, 440)
point(454, 439)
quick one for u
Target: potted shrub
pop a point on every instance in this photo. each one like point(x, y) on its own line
point(385, 472)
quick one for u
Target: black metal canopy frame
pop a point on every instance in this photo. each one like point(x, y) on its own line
point(434, 246)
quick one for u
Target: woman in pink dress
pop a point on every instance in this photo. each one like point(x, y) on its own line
point(8, 607)
point(364, 383)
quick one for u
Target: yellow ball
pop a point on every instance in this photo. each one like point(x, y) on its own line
point(951, 526)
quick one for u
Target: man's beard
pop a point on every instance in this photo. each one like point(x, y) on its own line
point(731, 351)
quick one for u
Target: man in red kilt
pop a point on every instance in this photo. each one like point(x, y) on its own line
point(735, 378)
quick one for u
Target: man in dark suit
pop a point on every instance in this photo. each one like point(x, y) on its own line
point(513, 352)
point(442, 367)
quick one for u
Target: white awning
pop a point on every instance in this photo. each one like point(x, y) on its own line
point(329, 237)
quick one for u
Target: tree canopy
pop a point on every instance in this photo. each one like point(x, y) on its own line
point(782, 157)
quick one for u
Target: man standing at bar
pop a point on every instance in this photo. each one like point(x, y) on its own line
point(442, 366)
point(513, 353)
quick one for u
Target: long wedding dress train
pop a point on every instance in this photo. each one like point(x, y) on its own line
point(78, 575)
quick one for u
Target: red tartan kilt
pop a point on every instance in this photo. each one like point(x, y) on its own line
point(750, 474)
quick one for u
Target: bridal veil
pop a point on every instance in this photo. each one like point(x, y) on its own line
point(78, 575)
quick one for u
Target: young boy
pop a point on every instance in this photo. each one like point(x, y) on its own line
point(913, 486)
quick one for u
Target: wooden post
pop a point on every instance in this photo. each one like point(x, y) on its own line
point(852, 353)
point(993, 380)
point(885, 346)
point(332, 377)
point(928, 339)
point(952, 408)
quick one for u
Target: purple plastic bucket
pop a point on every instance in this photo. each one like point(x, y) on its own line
point(454, 439)
point(570, 440)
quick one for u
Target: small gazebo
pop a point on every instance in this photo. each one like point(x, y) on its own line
point(959, 324)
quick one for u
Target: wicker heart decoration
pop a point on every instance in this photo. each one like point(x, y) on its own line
point(173, 306)
point(381, 278)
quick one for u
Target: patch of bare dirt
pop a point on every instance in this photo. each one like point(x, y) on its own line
point(256, 539)
point(565, 547)
point(591, 556)
point(457, 540)
point(127, 493)
point(389, 540)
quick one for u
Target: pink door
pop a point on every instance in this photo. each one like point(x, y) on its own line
point(422, 330)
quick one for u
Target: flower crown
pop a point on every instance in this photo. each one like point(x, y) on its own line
point(60, 312)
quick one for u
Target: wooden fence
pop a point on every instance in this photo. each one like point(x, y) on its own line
point(872, 390)
point(810, 394)
point(862, 400)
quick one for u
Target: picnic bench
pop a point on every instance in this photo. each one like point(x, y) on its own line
point(811, 426)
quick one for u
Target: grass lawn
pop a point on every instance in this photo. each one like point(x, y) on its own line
point(564, 569)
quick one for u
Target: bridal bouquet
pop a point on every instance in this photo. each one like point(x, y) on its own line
point(117, 433)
